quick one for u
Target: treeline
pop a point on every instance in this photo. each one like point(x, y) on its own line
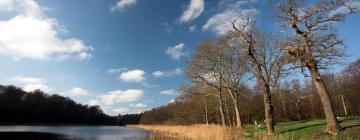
point(249, 74)
point(20, 107)
point(296, 100)
point(129, 119)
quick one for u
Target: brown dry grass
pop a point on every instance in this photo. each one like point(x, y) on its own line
point(192, 132)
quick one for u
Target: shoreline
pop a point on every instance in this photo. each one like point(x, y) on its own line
point(301, 130)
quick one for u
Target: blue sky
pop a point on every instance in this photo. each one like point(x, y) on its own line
point(126, 56)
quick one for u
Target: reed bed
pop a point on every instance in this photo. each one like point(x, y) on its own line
point(192, 132)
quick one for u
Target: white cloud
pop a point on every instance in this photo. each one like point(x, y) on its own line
point(122, 4)
point(32, 83)
point(345, 9)
point(35, 86)
point(227, 11)
point(32, 35)
point(172, 101)
point(193, 11)
point(121, 110)
point(26, 7)
point(116, 70)
point(94, 102)
point(120, 96)
point(149, 85)
point(176, 52)
point(192, 28)
point(174, 72)
point(24, 79)
point(219, 23)
point(6, 5)
point(77, 91)
point(138, 105)
point(133, 76)
point(158, 73)
point(211, 77)
point(169, 92)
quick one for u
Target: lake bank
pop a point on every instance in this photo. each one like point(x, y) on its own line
point(299, 130)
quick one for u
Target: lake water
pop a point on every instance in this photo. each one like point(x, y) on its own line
point(72, 133)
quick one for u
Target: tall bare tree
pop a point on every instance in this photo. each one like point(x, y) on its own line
point(234, 72)
point(220, 66)
point(315, 44)
point(263, 59)
point(206, 67)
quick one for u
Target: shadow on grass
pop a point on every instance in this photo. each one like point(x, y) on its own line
point(318, 124)
point(351, 126)
point(303, 127)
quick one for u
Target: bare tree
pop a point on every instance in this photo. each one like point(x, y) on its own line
point(297, 96)
point(220, 66)
point(203, 94)
point(315, 44)
point(233, 77)
point(205, 67)
point(264, 60)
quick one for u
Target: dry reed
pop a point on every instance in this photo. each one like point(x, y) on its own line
point(192, 132)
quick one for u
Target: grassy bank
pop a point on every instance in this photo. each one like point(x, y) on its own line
point(311, 129)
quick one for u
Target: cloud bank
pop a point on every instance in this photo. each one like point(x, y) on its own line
point(30, 34)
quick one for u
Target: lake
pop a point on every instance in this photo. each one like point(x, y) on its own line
point(71, 133)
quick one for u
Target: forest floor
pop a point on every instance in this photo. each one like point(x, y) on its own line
point(296, 130)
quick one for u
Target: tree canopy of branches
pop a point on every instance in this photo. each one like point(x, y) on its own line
point(315, 44)
point(264, 60)
point(218, 65)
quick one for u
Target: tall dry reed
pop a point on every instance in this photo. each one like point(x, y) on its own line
point(192, 132)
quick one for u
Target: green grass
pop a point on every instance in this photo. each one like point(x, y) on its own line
point(310, 129)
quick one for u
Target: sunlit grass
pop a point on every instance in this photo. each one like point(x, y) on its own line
point(306, 130)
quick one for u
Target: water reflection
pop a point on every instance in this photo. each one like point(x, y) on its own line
point(72, 133)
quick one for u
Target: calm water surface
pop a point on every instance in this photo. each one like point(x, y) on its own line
point(72, 133)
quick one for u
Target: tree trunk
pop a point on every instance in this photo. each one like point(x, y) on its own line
point(234, 96)
point(217, 118)
point(221, 110)
point(237, 112)
point(344, 105)
point(269, 112)
point(312, 106)
point(206, 112)
point(298, 110)
point(282, 99)
point(332, 126)
point(227, 112)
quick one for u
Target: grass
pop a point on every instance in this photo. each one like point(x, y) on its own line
point(310, 129)
point(297, 130)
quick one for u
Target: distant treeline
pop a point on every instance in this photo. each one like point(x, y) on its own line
point(20, 107)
